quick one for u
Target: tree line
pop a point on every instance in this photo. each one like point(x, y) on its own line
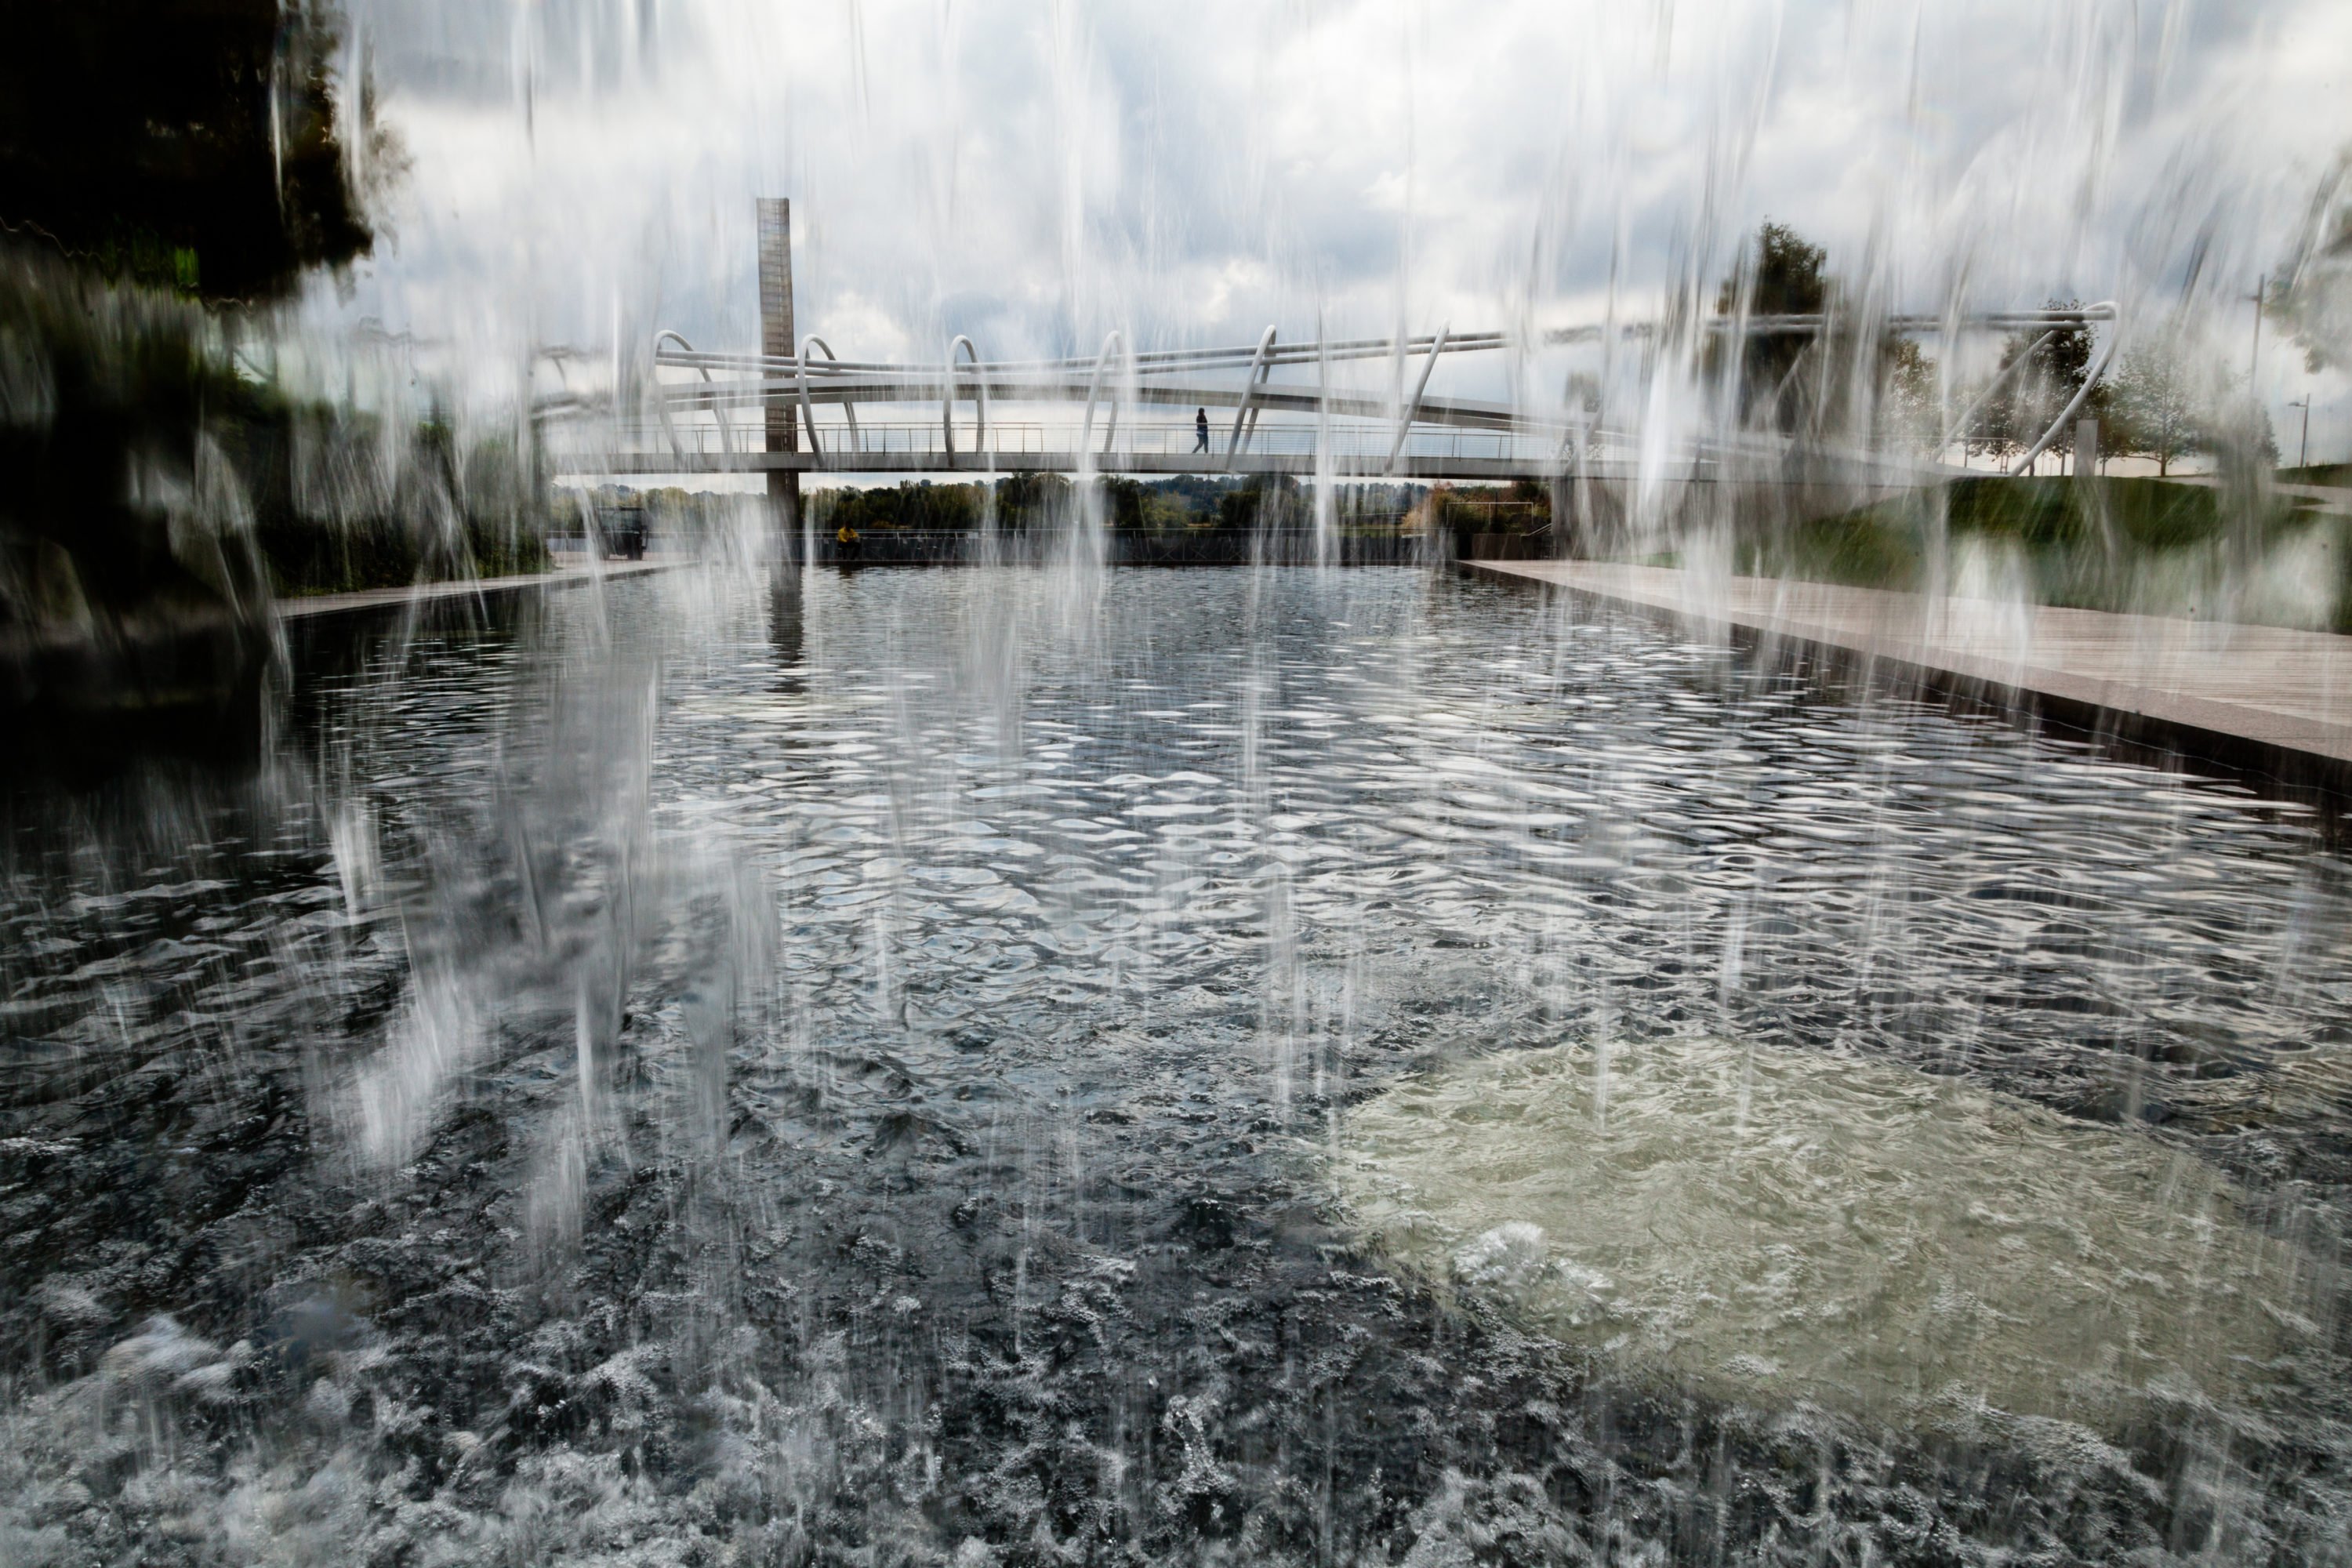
point(1020, 502)
point(2164, 399)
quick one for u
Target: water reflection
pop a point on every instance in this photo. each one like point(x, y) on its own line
point(784, 625)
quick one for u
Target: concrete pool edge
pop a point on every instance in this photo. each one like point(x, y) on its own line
point(2096, 684)
point(377, 600)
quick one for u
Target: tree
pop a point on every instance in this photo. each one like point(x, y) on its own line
point(2311, 301)
point(1909, 413)
point(2032, 395)
point(2153, 410)
point(1784, 278)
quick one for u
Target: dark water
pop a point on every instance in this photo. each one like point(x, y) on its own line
point(715, 1075)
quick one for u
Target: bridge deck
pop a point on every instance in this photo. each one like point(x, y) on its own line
point(2275, 701)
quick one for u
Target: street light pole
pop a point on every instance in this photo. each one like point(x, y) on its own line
point(2254, 362)
point(2302, 455)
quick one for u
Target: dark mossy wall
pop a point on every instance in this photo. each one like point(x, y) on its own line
point(192, 145)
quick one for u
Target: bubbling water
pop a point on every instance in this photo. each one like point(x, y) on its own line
point(1771, 1225)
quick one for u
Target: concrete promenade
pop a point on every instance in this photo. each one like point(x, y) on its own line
point(2257, 698)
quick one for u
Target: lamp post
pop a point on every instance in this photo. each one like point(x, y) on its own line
point(2254, 360)
point(2303, 454)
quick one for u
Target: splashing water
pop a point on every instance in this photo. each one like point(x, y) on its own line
point(1780, 1225)
point(1052, 1063)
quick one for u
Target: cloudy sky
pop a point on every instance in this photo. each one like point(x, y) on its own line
point(582, 171)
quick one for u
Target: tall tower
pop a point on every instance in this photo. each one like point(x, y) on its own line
point(776, 341)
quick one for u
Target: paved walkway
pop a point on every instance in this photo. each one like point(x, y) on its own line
point(562, 577)
point(2324, 498)
point(2277, 700)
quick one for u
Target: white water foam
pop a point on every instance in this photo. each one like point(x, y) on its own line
point(1780, 1225)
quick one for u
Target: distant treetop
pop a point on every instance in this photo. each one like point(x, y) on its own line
point(1787, 275)
point(2312, 297)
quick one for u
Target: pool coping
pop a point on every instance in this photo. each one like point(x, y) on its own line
point(2086, 670)
point(369, 601)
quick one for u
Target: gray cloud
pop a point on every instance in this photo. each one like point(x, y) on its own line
point(1038, 174)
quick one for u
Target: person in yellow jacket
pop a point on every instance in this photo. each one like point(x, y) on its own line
point(845, 543)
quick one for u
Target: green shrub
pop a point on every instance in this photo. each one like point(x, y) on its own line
point(2130, 544)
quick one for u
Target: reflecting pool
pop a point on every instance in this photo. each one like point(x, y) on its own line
point(1253, 1065)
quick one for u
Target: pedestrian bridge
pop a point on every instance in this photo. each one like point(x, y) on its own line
point(1288, 407)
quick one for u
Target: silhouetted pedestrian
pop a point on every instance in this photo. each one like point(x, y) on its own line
point(1200, 430)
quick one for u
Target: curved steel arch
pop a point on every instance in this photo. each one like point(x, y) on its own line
point(2082, 393)
point(1260, 372)
point(808, 414)
point(1969, 416)
point(947, 398)
point(1413, 410)
point(726, 438)
point(1094, 388)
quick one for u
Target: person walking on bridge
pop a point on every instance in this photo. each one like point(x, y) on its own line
point(1200, 429)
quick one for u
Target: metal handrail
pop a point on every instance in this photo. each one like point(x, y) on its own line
point(1359, 442)
point(1151, 361)
point(1155, 362)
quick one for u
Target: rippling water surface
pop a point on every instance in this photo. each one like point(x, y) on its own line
point(714, 1072)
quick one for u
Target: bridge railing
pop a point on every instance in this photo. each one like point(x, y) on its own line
point(1356, 446)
